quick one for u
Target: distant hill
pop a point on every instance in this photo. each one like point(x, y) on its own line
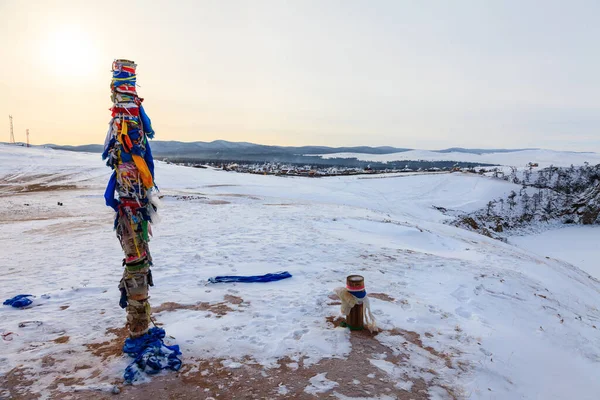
point(480, 151)
point(226, 149)
point(222, 150)
point(220, 147)
point(358, 156)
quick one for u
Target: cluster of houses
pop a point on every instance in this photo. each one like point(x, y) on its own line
point(315, 171)
point(311, 171)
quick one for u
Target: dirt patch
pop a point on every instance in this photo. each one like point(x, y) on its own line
point(233, 299)
point(217, 202)
point(245, 196)
point(62, 339)
point(219, 309)
point(67, 381)
point(111, 348)
point(415, 338)
point(382, 296)
point(16, 384)
point(62, 308)
point(34, 187)
point(68, 226)
point(188, 197)
point(214, 186)
point(355, 375)
point(203, 199)
point(48, 361)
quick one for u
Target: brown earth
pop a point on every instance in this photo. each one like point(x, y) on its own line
point(211, 379)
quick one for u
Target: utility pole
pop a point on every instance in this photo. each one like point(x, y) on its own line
point(12, 135)
point(27, 132)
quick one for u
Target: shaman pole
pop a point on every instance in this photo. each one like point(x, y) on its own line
point(127, 152)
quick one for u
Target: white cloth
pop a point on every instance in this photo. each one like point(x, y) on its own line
point(349, 301)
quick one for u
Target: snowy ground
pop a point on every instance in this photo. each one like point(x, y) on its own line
point(462, 315)
point(521, 158)
point(577, 245)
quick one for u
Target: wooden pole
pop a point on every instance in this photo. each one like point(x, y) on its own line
point(127, 152)
point(355, 319)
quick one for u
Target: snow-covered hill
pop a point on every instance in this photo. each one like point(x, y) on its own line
point(520, 158)
point(462, 315)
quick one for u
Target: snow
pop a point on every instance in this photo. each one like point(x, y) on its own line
point(320, 384)
point(519, 158)
point(282, 390)
point(577, 245)
point(520, 324)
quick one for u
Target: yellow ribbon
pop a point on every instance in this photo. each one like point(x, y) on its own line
point(140, 163)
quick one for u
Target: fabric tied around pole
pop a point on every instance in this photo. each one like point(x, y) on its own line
point(109, 193)
point(349, 300)
point(19, 301)
point(151, 355)
point(276, 276)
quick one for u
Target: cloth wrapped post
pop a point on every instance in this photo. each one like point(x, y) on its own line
point(129, 191)
point(355, 304)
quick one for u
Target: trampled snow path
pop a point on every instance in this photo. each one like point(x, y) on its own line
point(464, 315)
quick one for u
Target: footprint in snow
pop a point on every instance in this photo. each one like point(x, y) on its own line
point(484, 351)
point(478, 290)
point(299, 333)
point(460, 294)
point(463, 312)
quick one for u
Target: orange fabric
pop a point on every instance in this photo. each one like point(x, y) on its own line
point(144, 171)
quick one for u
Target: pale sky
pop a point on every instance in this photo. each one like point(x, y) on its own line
point(420, 74)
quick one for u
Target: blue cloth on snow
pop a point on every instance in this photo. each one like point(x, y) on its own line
point(151, 355)
point(277, 276)
point(19, 301)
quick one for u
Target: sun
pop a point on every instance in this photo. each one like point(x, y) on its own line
point(69, 51)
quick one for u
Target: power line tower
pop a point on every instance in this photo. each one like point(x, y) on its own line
point(12, 135)
point(27, 132)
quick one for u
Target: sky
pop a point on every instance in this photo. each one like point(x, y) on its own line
point(418, 74)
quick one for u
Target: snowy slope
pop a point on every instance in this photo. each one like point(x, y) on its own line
point(574, 244)
point(516, 158)
point(493, 320)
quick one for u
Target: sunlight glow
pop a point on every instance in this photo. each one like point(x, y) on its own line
point(69, 51)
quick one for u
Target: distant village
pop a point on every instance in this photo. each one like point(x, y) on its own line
point(316, 171)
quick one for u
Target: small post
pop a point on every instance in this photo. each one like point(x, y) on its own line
point(355, 319)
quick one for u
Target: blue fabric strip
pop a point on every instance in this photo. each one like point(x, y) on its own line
point(149, 159)
point(358, 295)
point(146, 122)
point(277, 276)
point(109, 193)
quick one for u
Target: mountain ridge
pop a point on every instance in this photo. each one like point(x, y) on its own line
point(179, 148)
